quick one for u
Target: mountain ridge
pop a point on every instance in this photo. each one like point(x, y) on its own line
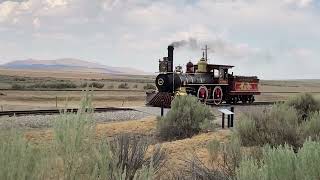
point(69, 64)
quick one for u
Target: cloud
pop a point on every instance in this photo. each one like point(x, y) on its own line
point(56, 3)
point(6, 10)
point(300, 3)
point(250, 34)
point(36, 23)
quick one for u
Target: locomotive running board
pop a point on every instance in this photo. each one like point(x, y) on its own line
point(158, 99)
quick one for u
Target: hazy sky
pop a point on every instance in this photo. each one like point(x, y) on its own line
point(274, 39)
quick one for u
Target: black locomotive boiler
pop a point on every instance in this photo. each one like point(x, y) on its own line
point(211, 83)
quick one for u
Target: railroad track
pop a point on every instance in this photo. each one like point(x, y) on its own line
point(77, 90)
point(263, 103)
point(58, 111)
point(108, 109)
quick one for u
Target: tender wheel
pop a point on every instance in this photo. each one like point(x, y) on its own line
point(228, 100)
point(244, 99)
point(217, 95)
point(251, 99)
point(235, 99)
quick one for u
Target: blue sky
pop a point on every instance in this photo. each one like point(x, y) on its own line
point(274, 39)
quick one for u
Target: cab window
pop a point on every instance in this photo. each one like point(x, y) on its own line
point(223, 74)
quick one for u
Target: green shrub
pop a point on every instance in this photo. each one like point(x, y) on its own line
point(75, 153)
point(276, 126)
point(93, 84)
point(249, 170)
point(73, 145)
point(49, 85)
point(149, 86)
point(186, 118)
point(18, 158)
point(19, 79)
point(226, 156)
point(129, 154)
point(308, 161)
point(311, 128)
point(123, 86)
point(18, 86)
point(305, 104)
point(283, 163)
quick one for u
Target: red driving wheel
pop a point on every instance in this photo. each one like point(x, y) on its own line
point(202, 93)
point(217, 95)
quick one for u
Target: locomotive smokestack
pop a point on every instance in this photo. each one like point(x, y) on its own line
point(170, 58)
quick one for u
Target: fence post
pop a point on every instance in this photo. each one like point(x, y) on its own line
point(232, 116)
point(56, 101)
point(162, 107)
point(222, 121)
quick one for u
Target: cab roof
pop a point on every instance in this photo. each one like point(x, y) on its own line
point(217, 66)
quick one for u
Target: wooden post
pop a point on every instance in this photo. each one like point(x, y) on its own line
point(232, 116)
point(222, 120)
point(162, 107)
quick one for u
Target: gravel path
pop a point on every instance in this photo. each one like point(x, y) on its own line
point(46, 121)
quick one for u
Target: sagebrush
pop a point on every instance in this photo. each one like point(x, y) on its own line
point(75, 153)
point(186, 117)
point(282, 163)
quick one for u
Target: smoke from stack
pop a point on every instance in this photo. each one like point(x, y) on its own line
point(191, 43)
point(220, 47)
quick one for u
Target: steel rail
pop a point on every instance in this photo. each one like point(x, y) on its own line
point(262, 103)
point(58, 111)
point(77, 90)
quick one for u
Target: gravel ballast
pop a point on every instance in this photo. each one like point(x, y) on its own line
point(46, 121)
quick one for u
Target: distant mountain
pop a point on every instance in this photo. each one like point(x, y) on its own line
point(69, 64)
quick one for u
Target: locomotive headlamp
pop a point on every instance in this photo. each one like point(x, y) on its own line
point(160, 81)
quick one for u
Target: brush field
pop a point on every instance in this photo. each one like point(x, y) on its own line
point(210, 152)
point(23, 90)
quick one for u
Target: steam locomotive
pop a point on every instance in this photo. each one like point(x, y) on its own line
point(211, 83)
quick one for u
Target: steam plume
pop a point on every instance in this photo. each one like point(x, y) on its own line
point(220, 47)
point(191, 43)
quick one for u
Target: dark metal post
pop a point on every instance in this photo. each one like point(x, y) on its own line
point(56, 101)
point(162, 107)
point(222, 120)
point(232, 116)
point(229, 121)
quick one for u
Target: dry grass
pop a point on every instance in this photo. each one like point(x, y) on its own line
point(24, 100)
point(186, 148)
point(144, 126)
point(177, 151)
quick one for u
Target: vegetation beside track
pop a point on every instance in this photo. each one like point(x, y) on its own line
point(75, 152)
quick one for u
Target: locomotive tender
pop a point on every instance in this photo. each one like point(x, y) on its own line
point(211, 83)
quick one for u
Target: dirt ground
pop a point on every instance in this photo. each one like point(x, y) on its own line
point(175, 150)
point(26, 100)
